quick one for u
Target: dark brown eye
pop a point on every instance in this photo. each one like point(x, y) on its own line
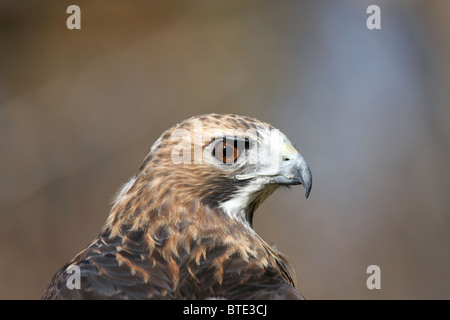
point(226, 151)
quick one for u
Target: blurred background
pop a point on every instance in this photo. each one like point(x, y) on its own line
point(368, 109)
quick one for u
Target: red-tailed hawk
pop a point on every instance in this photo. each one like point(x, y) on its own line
point(181, 228)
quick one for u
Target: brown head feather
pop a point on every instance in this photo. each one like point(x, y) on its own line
point(167, 228)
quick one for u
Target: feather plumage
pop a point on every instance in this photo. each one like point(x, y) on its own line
point(170, 233)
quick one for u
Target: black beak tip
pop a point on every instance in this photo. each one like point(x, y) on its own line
point(307, 191)
point(306, 180)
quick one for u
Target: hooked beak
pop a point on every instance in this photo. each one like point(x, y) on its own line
point(287, 167)
point(293, 171)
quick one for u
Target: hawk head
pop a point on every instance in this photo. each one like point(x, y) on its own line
point(182, 226)
point(227, 163)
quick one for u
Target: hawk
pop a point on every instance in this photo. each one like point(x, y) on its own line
point(181, 228)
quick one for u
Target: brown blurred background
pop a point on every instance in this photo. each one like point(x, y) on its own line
point(368, 109)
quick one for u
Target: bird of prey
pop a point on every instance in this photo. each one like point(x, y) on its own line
point(181, 228)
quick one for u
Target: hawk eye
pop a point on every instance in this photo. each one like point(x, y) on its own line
point(228, 150)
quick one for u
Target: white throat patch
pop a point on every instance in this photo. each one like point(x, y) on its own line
point(240, 206)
